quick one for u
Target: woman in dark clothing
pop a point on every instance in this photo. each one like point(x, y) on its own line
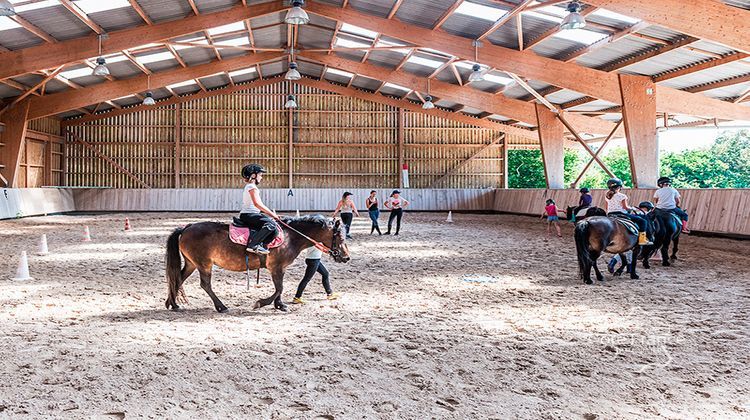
point(347, 209)
point(372, 207)
point(396, 204)
point(314, 265)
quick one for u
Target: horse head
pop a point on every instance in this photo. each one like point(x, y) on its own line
point(339, 249)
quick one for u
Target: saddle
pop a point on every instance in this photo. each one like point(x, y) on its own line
point(629, 225)
point(240, 233)
point(673, 214)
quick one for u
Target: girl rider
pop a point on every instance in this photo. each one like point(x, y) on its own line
point(253, 209)
point(617, 205)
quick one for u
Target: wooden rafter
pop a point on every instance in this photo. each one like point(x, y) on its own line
point(730, 58)
point(605, 41)
point(43, 82)
point(82, 16)
point(447, 14)
point(33, 29)
point(553, 30)
point(394, 9)
point(505, 19)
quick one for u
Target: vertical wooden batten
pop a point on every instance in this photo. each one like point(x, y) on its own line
point(639, 115)
point(177, 141)
point(552, 144)
point(400, 140)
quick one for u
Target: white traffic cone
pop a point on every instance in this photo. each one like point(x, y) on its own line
point(43, 250)
point(127, 224)
point(22, 274)
point(86, 234)
point(450, 217)
point(297, 213)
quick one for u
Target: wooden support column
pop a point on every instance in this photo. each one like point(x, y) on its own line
point(290, 151)
point(177, 141)
point(551, 141)
point(506, 182)
point(400, 137)
point(639, 115)
point(13, 137)
point(48, 162)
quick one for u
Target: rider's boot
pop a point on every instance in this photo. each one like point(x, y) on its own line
point(643, 239)
point(685, 227)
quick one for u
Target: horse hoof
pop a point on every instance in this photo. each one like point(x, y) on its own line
point(673, 258)
point(282, 307)
point(223, 310)
point(257, 305)
point(588, 282)
point(666, 263)
point(176, 308)
point(617, 274)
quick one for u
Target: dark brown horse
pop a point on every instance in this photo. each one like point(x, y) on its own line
point(206, 244)
point(667, 229)
point(598, 234)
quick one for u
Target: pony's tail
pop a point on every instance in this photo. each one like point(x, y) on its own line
point(582, 245)
point(174, 269)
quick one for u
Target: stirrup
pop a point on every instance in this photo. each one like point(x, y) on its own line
point(259, 249)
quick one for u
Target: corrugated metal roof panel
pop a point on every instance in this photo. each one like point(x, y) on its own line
point(115, 19)
point(742, 4)
point(87, 81)
point(444, 103)
point(732, 91)
point(660, 32)
point(366, 83)
point(485, 86)
point(388, 59)
point(623, 47)
point(712, 47)
point(314, 37)
point(123, 69)
point(556, 47)
point(506, 35)
point(355, 55)
point(340, 79)
point(8, 92)
point(465, 26)
point(162, 65)
point(563, 96)
point(215, 81)
point(210, 6)
point(57, 21)
point(714, 74)
point(422, 12)
point(422, 71)
point(242, 78)
point(317, 20)
point(272, 69)
point(271, 37)
point(390, 91)
point(447, 76)
point(664, 62)
point(534, 27)
point(373, 7)
point(516, 91)
point(197, 55)
point(227, 53)
point(18, 38)
point(597, 105)
point(182, 90)
point(164, 10)
point(311, 69)
point(271, 19)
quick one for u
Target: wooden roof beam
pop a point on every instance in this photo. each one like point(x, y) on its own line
point(138, 9)
point(46, 56)
point(82, 16)
point(505, 19)
point(706, 19)
point(65, 101)
point(447, 14)
point(592, 82)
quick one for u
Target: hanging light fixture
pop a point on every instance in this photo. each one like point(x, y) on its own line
point(6, 8)
point(291, 103)
point(101, 64)
point(476, 70)
point(428, 99)
point(149, 99)
point(574, 19)
point(292, 73)
point(296, 15)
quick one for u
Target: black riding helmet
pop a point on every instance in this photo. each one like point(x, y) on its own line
point(614, 183)
point(663, 180)
point(646, 205)
point(584, 190)
point(550, 201)
point(252, 169)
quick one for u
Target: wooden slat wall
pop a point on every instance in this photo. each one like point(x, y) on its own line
point(719, 211)
point(336, 142)
point(308, 199)
point(41, 160)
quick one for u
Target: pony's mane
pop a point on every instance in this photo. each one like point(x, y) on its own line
point(313, 219)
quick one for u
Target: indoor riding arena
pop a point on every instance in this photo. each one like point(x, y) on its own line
point(334, 209)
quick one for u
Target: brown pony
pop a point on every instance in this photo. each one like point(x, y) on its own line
point(206, 244)
point(598, 234)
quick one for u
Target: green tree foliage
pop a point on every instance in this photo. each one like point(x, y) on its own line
point(725, 164)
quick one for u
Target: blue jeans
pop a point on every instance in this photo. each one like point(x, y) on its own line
point(374, 215)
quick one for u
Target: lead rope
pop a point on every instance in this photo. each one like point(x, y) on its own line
point(315, 243)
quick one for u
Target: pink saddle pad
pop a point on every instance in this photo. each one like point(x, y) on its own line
point(241, 235)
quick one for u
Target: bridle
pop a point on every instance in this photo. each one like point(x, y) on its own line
point(332, 251)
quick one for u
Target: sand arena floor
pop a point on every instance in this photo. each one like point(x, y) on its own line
point(484, 318)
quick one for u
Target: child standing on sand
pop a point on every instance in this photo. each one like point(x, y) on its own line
point(551, 211)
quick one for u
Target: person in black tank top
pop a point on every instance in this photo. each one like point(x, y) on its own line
point(372, 208)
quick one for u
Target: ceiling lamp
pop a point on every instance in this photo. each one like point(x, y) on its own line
point(574, 19)
point(477, 75)
point(290, 102)
point(428, 103)
point(149, 99)
point(296, 15)
point(101, 64)
point(292, 73)
point(6, 9)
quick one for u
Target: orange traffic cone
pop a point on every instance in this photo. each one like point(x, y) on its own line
point(127, 224)
point(86, 234)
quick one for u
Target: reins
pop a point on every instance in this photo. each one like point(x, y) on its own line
point(316, 244)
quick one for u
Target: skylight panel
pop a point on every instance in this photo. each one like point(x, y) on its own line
point(35, 6)
point(346, 43)
point(241, 72)
point(616, 16)
point(480, 11)
point(153, 58)
point(393, 44)
point(468, 65)
point(182, 84)
point(393, 86)
point(73, 74)
point(497, 79)
point(424, 62)
point(113, 58)
point(430, 50)
point(234, 42)
point(202, 41)
point(358, 31)
point(7, 23)
point(583, 36)
point(94, 6)
point(542, 16)
point(339, 72)
point(232, 27)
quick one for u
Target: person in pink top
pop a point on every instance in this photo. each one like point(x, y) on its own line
point(551, 211)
